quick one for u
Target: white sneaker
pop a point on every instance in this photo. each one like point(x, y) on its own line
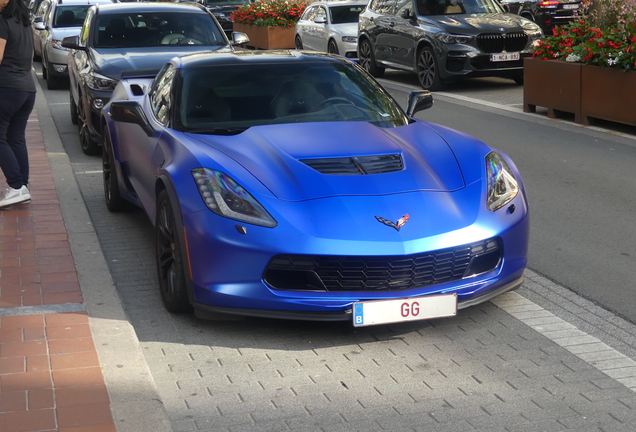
point(15, 196)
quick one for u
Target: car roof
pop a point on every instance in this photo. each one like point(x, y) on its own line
point(113, 8)
point(254, 57)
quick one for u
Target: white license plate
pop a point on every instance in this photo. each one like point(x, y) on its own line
point(401, 310)
point(570, 6)
point(504, 57)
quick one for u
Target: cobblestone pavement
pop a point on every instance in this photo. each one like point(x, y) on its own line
point(539, 359)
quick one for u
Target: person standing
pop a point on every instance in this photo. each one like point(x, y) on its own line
point(17, 97)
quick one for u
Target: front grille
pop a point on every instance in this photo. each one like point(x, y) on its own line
point(496, 43)
point(381, 273)
point(356, 165)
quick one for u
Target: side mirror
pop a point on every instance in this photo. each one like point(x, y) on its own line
point(418, 100)
point(39, 25)
point(320, 20)
point(239, 38)
point(72, 42)
point(130, 112)
point(406, 14)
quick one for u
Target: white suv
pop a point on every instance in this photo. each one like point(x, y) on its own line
point(53, 21)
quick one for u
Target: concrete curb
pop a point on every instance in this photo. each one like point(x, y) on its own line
point(135, 402)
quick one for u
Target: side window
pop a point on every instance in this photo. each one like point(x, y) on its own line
point(160, 96)
point(402, 5)
point(385, 6)
point(309, 14)
point(83, 37)
point(42, 9)
point(322, 13)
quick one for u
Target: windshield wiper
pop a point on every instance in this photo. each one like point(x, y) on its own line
point(218, 131)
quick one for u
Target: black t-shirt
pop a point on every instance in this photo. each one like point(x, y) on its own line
point(15, 69)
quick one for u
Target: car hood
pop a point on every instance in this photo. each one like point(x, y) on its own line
point(274, 154)
point(62, 32)
point(112, 61)
point(346, 29)
point(474, 24)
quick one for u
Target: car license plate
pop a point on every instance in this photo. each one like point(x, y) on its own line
point(401, 310)
point(504, 57)
point(570, 6)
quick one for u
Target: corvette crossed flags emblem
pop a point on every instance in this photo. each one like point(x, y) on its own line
point(397, 225)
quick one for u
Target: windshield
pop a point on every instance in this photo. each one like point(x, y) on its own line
point(454, 7)
point(156, 29)
point(345, 14)
point(70, 16)
point(221, 98)
point(226, 2)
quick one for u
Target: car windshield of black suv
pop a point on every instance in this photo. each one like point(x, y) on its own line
point(225, 2)
point(156, 29)
point(454, 7)
point(70, 16)
point(237, 97)
point(345, 14)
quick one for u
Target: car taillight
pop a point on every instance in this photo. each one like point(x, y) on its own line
point(549, 3)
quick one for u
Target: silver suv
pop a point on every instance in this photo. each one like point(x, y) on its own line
point(53, 21)
point(443, 40)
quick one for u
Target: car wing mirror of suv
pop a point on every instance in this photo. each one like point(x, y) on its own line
point(418, 100)
point(320, 20)
point(407, 14)
point(239, 38)
point(72, 42)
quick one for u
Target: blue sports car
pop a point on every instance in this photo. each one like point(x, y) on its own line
point(290, 184)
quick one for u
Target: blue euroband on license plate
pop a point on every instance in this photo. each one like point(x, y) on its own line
point(401, 310)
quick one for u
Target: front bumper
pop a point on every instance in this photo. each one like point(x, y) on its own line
point(228, 267)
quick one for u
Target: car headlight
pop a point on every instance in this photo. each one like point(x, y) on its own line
point(57, 44)
point(227, 198)
point(532, 30)
point(448, 38)
point(502, 185)
point(350, 39)
point(99, 82)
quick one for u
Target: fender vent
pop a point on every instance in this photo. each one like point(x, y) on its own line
point(356, 165)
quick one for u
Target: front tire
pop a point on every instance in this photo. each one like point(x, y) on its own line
point(89, 145)
point(332, 48)
point(367, 59)
point(112, 195)
point(172, 277)
point(298, 42)
point(428, 70)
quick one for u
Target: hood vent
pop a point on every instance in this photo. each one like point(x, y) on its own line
point(356, 165)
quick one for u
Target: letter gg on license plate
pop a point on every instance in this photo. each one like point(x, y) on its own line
point(400, 310)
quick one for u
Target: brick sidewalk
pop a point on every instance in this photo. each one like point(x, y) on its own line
point(50, 374)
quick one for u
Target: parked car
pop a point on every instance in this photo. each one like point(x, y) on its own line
point(330, 26)
point(546, 13)
point(444, 40)
point(127, 36)
point(289, 184)
point(53, 21)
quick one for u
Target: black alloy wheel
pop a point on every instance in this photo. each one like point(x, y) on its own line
point(88, 144)
point(428, 70)
point(114, 200)
point(367, 59)
point(74, 118)
point(332, 48)
point(298, 42)
point(172, 277)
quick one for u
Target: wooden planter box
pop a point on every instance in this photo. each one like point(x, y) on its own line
point(608, 94)
point(555, 85)
point(268, 38)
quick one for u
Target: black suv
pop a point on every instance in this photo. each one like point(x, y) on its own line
point(443, 40)
point(131, 36)
point(546, 13)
